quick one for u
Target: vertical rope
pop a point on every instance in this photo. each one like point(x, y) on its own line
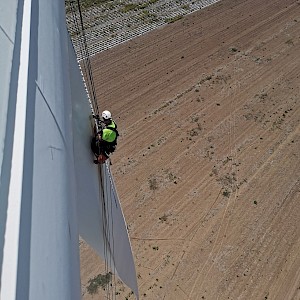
point(105, 166)
point(105, 229)
point(104, 187)
point(85, 63)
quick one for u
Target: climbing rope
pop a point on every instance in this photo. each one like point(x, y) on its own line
point(105, 194)
point(85, 63)
point(105, 187)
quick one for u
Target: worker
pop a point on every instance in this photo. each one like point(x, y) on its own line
point(105, 140)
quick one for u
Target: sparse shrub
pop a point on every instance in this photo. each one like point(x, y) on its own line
point(195, 131)
point(171, 176)
point(263, 96)
point(129, 7)
point(206, 78)
point(89, 3)
point(172, 20)
point(233, 49)
point(146, 15)
point(195, 118)
point(98, 281)
point(226, 193)
point(153, 183)
point(185, 6)
point(164, 218)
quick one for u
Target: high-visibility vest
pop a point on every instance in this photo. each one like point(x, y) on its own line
point(110, 133)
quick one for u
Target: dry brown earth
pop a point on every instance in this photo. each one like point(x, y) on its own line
point(208, 163)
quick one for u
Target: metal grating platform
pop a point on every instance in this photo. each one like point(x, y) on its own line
point(111, 23)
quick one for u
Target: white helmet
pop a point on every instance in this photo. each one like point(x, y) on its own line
point(106, 115)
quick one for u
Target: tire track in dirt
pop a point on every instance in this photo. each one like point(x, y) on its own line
point(183, 150)
point(193, 146)
point(135, 62)
point(280, 207)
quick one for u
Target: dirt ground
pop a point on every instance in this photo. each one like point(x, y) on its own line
point(208, 161)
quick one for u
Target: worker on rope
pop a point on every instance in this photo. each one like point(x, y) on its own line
point(105, 140)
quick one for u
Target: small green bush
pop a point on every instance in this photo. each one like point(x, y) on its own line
point(172, 20)
point(99, 281)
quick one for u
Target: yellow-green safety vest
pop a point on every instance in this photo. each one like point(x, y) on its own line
point(109, 134)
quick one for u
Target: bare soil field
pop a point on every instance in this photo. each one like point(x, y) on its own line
point(208, 161)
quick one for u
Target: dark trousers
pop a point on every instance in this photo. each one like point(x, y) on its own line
point(101, 147)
